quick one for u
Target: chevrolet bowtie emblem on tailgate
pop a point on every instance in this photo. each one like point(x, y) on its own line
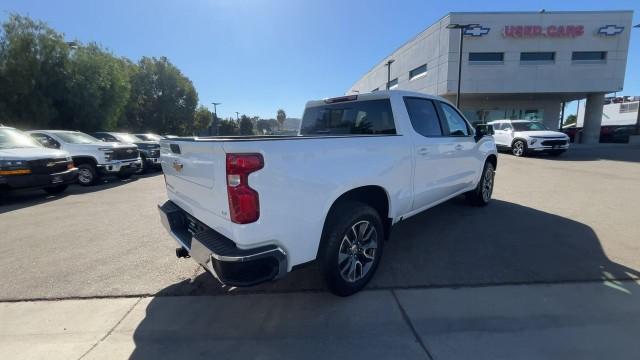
point(178, 166)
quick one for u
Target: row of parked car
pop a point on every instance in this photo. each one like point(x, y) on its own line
point(53, 159)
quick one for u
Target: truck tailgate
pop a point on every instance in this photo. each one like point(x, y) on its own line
point(195, 178)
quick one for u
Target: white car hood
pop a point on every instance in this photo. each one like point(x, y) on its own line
point(31, 153)
point(545, 133)
point(97, 145)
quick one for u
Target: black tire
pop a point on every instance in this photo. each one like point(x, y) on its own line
point(143, 167)
point(55, 189)
point(519, 148)
point(87, 174)
point(481, 195)
point(556, 152)
point(357, 249)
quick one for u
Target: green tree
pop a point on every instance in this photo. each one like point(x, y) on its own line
point(570, 120)
point(281, 117)
point(227, 127)
point(34, 64)
point(202, 118)
point(162, 98)
point(98, 90)
point(246, 125)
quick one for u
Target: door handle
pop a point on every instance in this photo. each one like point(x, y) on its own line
point(459, 147)
point(423, 151)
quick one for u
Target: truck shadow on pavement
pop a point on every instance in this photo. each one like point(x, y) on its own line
point(20, 199)
point(451, 245)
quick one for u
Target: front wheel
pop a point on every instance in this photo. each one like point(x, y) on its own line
point(351, 247)
point(481, 195)
point(518, 148)
point(87, 174)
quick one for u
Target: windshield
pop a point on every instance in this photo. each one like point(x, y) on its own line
point(149, 137)
point(529, 126)
point(12, 138)
point(76, 137)
point(126, 138)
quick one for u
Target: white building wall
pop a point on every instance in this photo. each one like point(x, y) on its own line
point(611, 115)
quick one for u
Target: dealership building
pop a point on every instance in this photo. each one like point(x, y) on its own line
point(515, 65)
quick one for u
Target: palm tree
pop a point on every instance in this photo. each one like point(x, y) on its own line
point(281, 117)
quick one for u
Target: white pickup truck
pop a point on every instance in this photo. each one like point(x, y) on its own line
point(252, 209)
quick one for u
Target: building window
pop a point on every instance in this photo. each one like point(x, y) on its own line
point(538, 57)
point(589, 56)
point(486, 57)
point(393, 84)
point(418, 72)
point(629, 107)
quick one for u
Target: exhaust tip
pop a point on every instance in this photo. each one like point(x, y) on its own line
point(182, 253)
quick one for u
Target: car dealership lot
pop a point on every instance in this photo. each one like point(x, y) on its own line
point(572, 218)
point(542, 272)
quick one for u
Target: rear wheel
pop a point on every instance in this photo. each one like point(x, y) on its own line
point(481, 195)
point(351, 247)
point(518, 148)
point(87, 174)
point(55, 189)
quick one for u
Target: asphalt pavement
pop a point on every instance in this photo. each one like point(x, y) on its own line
point(548, 270)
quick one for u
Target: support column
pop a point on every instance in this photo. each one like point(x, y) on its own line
point(551, 113)
point(592, 119)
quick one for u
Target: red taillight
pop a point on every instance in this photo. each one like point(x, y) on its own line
point(244, 204)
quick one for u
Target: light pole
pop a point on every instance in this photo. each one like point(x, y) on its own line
point(237, 114)
point(461, 28)
point(215, 116)
point(638, 116)
point(388, 65)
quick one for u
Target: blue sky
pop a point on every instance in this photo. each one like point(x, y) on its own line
point(257, 56)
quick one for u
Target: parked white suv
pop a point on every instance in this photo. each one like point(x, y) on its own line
point(92, 156)
point(250, 209)
point(523, 137)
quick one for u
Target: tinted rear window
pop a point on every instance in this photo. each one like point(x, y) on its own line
point(369, 117)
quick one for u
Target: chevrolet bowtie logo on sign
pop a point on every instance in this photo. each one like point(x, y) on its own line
point(476, 30)
point(610, 30)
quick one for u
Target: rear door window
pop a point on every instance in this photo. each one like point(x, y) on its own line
point(369, 117)
point(423, 116)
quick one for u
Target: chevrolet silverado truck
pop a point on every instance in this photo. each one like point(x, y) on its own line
point(24, 163)
point(149, 149)
point(252, 209)
point(93, 157)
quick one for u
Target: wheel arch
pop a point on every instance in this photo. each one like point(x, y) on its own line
point(373, 195)
point(493, 160)
point(526, 144)
point(84, 159)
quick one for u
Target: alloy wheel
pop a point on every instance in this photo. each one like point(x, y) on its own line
point(518, 148)
point(85, 176)
point(487, 184)
point(357, 251)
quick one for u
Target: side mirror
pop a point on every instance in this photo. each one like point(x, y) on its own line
point(483, 130)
